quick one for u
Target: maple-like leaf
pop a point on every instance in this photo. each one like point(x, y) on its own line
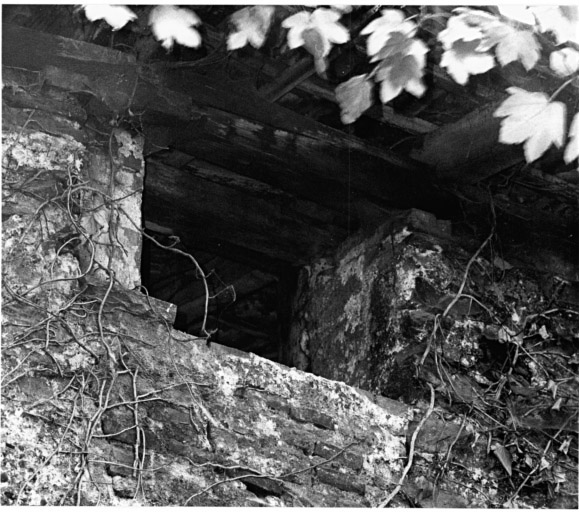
point(117, 16)
point(572, 149)
point(252, 24)
point(397, 43)
point(381, 29)
point(402, 69)
point(466, 26)
point(462, 40)
point(519, 13)
point(404, 72)
point(463, 60)
point(564, 62)
point(530, 118)
point(316, 32)
point(511, 44)
point(324, 21)
point(562, 21)
point(171, 24)
point(354, 97)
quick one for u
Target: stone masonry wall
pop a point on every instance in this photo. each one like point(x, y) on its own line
point(103, 403)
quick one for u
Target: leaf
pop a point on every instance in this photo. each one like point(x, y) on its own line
point(532, 119)
point(502, 264)
point(354, 98)
point(315, 43)
point(397, 43)
point(380, 29)
point(402, 72)
point(544, 464)
point(327, 21)
point(551, 386)
point(172, 24)
point(562, 21)
point(564, 62)
point(462, 60)
point(252, 24)
point(462, 40)
point(565, 445)
point(572, 149)
point(316, 31)
point(512, 45)
point(475, 17)
point(318, 47)
point(343, 9)
point(504, 457)
point(117, 16)
point(518, 13)
point(467, 26)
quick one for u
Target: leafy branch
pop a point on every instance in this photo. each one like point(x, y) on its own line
point(473, 42)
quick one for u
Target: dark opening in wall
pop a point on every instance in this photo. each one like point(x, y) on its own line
point(242, 307)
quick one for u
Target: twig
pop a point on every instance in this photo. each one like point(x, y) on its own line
point(411, 452)
point(538, 465)
point(204, 331)
point(276, 478)
point(112, 359)
point(465, 277)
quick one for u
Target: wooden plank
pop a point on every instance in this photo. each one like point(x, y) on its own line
point(247, 105)
point(197, 168)
point(203, 118)
point(380, 113)
point(277, 229)
point(468, 150)
point(318, 168)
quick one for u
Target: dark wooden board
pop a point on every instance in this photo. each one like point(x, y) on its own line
point(278, 229)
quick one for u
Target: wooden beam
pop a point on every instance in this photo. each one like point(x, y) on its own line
point(384, 114)
point(288, 80)
point(468, 150)
point(239, 131)
point(287, 230)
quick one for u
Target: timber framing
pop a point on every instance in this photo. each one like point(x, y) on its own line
point(234, 173)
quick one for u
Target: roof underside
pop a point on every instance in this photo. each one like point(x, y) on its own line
point(250, 166)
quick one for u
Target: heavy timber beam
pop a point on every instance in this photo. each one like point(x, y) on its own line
point(468, 150)
point(278, 229)
point(281, 148)
point(237, 130)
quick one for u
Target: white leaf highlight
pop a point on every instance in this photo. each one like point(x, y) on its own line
point(171, 24)
point(530, 118)
point(572, 149)
point(117, 16)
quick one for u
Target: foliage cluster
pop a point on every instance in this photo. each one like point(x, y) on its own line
point(473, 42)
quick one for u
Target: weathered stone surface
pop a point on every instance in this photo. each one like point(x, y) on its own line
point(112, 209)
point(191, 412)
point(351, 311)
point(104, 403)
point(384, 315)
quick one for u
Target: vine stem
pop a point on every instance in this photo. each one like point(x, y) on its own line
point(411, 451)
point(561, 87)
point(465, 277)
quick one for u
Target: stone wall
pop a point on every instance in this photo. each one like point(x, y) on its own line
point(103, 403)
point(413, 306)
